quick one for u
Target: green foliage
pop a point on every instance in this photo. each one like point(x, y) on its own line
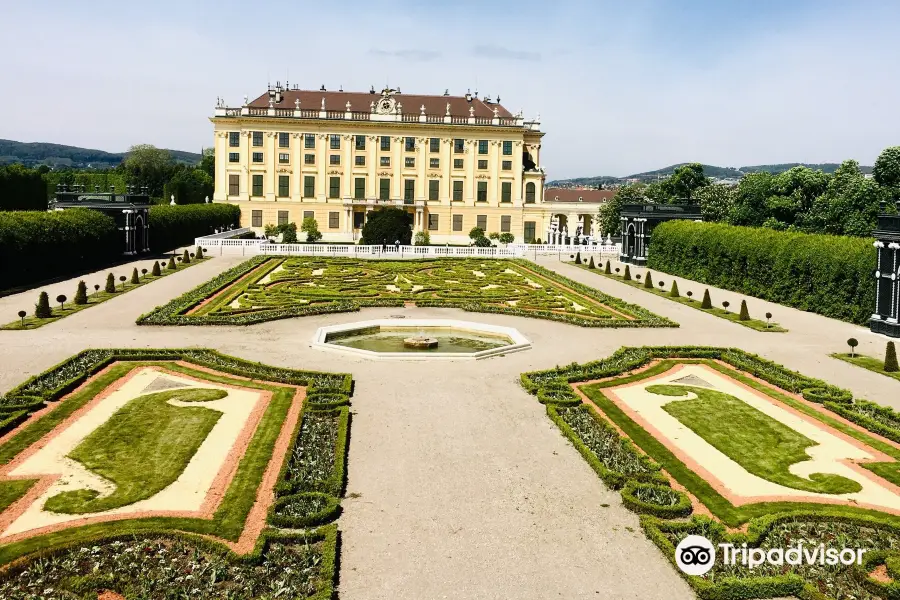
point(189, 186)
point(174, 226)
point(591, 263)
point(886, 171)
point(483, 242)
point(745, 314)
point(310, 227)
point(648, 280)
point(890, 359)
point(716, 201)
point(110, 287)
point(493, 235)
point(386, 226)
point(81, 293)
point(674, 291)
point(655, 499)
point(22, 188)
point(308, 509)
point(149, 166)
point(578, 258)
point(829, 275)
point(185, 257)
point(475, 233)
point(707, 301)
point(89, 179)
point(42, 308)
point(609, 212)
point(627, 275)
point(171, 266)
point(39, 245)
point(155, 271)
point(422, 238)
point(135, 279)
point(608, 268)
point(506, 238)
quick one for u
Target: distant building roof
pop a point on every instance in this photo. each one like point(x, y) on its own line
point(577, 195)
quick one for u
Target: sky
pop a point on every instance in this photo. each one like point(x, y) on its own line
point(620, 87)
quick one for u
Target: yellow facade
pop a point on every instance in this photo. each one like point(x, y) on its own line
point(452, 172)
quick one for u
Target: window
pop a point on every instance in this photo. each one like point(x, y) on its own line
point(360, 142)
point(234, 157)
point(309, 159)
point(505, 223)
point(334, 220)
point(284, 186)
point(457, 190)
point(359, 187)
point(309, 186)
point(482, 191)
point(335, 140)
point(434, 145)
point(282, 217)
point(457, 222)
point(434, 187)
point(482, 146)
point(284, 140)
point(257, 138)
point(359, 219)
point(457, 163)
point(506, 165)
point(434, 163)
point(409, 190)
point(529, 193)
point(257, 157)
point(385, 142)
point(529, 231)
point(432, 222)
point(234, 185)
point(459, 146)
point(334, 187)
point(409, 144)
point(506, 191)
point(284, 158)
point(257, 185)
point(384, 189)
point(507, 148)
point(385, 161)
point(360, 160)
point(334, 159)
point(309, 140)
point(309, 214)
point(410, 161)
point(482, 164)
point(256, 218)
point(481, 222)
point(234, 139)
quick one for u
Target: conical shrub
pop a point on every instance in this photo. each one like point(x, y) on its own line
point(591, 263)
point(134, 277)
point(171, 266)
point(890, 359)
point(707, 302)
point(648, 281)
point(155, 271)
point(42, 308)
point(110, 284)
point(81, 293)
point(578, 258)
point(198, 253)
point(627, 275)
point(745, 314)
point(608, 268)
point(674, 291)
point(186, 257)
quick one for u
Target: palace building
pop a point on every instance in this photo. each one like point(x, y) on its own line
point(454, 162)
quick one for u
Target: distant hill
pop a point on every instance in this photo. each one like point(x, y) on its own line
point(710, 170)
point(33, 154)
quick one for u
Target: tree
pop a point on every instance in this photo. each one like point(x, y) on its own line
point(198, 253)
point(493, 235)
point(627, 274)
point(110, 284)
point(123, 279)
point(155, 271)
point(610, 211)
point(185, 257)
point(506, 238)
point(674, 291)
point(725, 305)
point(886, 171)
point(591, 263)
point(387, 225)
point(716, 201)
point(62, 301)
point(189, 186)
point(483, 242)
point(890, 359)
point(853, 343)
point(208, 162)
point(578, 258)
point(81, 293)
point(749, 207)
point(475, 233)
point(707, 302)
point(607, 269)
point(42, 308)
point(171, 266)
point(768, 318)
point(134, 276)
point(310, 227)
point(22, 315)
point(849, 205)
point(648, 281)
point(685, 180)
point(422, 238)
point(745, 314)
point(148, 165)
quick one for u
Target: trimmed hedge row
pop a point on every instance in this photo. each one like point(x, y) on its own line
point(174, 226)
point(826, 274)
point(41, 245)
point(657, 500)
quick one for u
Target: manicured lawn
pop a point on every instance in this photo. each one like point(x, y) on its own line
point(867, 362)
point(12, 490)
point(762, 445)
point(682, 298)
point(94, 297)
point(142, 449)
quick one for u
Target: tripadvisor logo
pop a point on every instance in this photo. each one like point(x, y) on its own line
point(696, 555)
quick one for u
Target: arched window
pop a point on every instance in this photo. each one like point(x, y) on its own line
point(529, 193)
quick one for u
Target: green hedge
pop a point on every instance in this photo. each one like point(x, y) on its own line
point(89, 180)
point(173, 226)
point(22, 188)
point(826, 274)
point(38, 245)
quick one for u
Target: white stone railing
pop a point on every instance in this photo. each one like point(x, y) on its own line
point(224, 234)
point(358, 251)
point(611, 249)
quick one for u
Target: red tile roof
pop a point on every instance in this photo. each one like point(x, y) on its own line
point(361, 102)
point(572, 195)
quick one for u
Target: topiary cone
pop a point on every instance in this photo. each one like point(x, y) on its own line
point(745, 314)
point(155, 271)
point(171, 266)
point(608, 269)
point(134, 276)
point(648, 281)
point(110, 284)
point(198, 253)
point(81, 293)
point(42, 308)
point(707, 303)
point(890, 359)
point(186, 257)
point(627, 275)
point(591, 263)
point(578, 258)
point(674, 291)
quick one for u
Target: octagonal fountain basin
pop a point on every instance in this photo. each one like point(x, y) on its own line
point(420, 339)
